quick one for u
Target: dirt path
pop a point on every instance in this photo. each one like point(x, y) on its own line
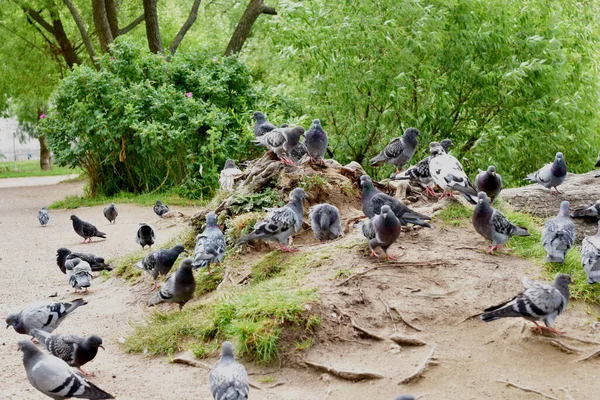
point(34, 181)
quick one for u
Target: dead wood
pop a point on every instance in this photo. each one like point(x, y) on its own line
point(525, 389)
point(563, 346)
point(406, 321)
point(344, 374)
point(590, 356)
point(406, 341)
point(358, 327)
point(420, 369)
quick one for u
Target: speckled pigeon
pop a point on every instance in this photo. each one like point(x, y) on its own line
point(229, 174)
point(551, 175)
point(261, 126)
point(86, 230)
point(591, 211)
point(448, 173)
point(493, 225)
point(325, 221)
point(53, 377)
point(489, 182)
point(382, 231)
point(160, 262)
point(96, 263)
point(228, 379)
point(399, 151)
point(46, 317)
point(282, 141)
point(79, 273)
point(558, 235)
point(316, 142)
point(145, 235)
point(590, 256)
point(74, 350)
point(178, 288)
point(210, 244)
point(111, 213)
point(298, 152)
point(538, 302)
point(160, 209)
point(43, 216)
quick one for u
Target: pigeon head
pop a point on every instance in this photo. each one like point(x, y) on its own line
point(364, 179)
point(436, 149)
point(564, 209)
point(316, 124)
point(229, 164)
point(74, 218)
point(211, 219)
point(63, 252)
point(95, 341)
point(491, 170)
point(28, 348)
point(178, 249)
point(563, 280)
point(284, 126)
point(159, 203)
point(411, 132)
point(13, 320)
point(482, 198)
point(446, 144)
point(559, 156)
point(385, 211)
point(227, 351)
point(298, 194)
point(44, 208)
point(258, 116)
point(186, 264)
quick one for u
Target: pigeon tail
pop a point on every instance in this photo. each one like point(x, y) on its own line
point(378, 160)
point(469, 199)
point(40, 335)
point(93, 392)
point(414, 221)
point(497, 312)
point(556, 257)
point(100, 234)
point(520, 231)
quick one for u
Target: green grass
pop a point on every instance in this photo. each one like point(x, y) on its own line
point(32, 168)
point(455, 214)
point(146, 199)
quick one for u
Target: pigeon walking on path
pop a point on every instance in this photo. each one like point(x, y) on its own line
point(558, 235)
point(538, 302)
point(399, 151)
point(590, 256)
point(229, 174)
point(591, 211)
point(228, 379)
point(145, 235)
point(316, 142)
point(96, 263)
point(74, 350)
point(382, 231)
point(160, 262)
point(325, 221)
point(86, 230)
point(79, 273)
point(493, 225)
point(261, 126)
point(43, 216)
point(179, 288)
point(111, 213)
point(160, 209)
point(53, 377)
point(489, 182)
point(448, 173)
point(551, 175)
point(46, 317)
point(210, 244)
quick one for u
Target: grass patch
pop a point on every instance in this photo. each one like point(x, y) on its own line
point(170, 198)
point(205, 282)
point(241, 225)
point(343, 274)
point(32, 168)
point(456, 214)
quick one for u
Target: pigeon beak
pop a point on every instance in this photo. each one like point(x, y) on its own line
point(7, 326)
point(102, 347)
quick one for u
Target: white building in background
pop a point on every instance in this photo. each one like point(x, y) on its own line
point(10, 146)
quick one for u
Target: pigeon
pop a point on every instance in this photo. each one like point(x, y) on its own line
point(448, 173)
point(281, 141)
point(316, 142)
point(160, 262)
point(210, 244)
point(489, 182)
point(74, 350)
point(325, 222)
point(551, 175)
point(598, 160)
point(373, 200)
point(86, 230)
point(79, 273)
point(53, 377)
point(591, 211)
point(178, 288)
point(111, 213)
point(228, 176)
point(538, 302)
point(280, 223)
point(96, 263)
point(493, 225)
point(228, 379)
point(145, 235)
point(298, 152)
point(382, 231)
point(160, 209)
point(46, 317)
point(399, 151)
point(405, 397)
point(43, 216)
point(558, 235)
point(261, 126)
point(590, 256)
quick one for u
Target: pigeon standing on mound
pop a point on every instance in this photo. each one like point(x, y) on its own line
point(280, 223)
point(160, 262)
point(598, 160)
point(179, 288)
point(489, 182)
point(382, 231)
point(111, 213)
point(228, 379)
point(373, 200)
point(210, 244)
point(590, 256)
point(145, 235)
point(538, 302)
point(551, 175)
point(281, 141)
point(558, 235)
point(261, 126)
point(43, 216)
point(53, 377)
point(228, 176)
point(79, 273)
point(325, 222)
point(493, 225)
point(46, 317)
point(591, 211)
point(96, 263)
point(399, 151)
point(86, 230)
point(298, 152)
point(160, 209)
point(74, 350)
point(316, 142)
point(448, 173)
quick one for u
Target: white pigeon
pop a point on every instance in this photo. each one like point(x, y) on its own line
point(590, 256)
point(448, 173)
point(228, 176)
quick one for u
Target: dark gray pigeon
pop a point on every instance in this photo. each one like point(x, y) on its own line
point(210, 244)
point(316, 142)
point(448, 173)
point(591, 211)
point(228, 379)
point(229, 174)
point(405, 397)
point(298, 152)
point(558, 235)
point(280, 223)
point(145, 235)
point(281, 141)
point(325, 221)
point(53, 377)
point(493, 225)
point(86, 230)
point(46, 317)
point(178, 288)
point(489, 182)
point(382, 231)
point(261, 126)
point(43, 216)
point(74, 350)
point(551, 175)
point(590, 256)
point(79, 273)
point(399, 151)
point(96, 263)
point(160, 209)
point(598, 160)
point(373, 200)
point(538, 302)
point(111, 213)
point(160, 262)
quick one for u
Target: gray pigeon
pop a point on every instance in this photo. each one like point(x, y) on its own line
point(79, 273)
point(405, 397)
point(280, 223)
point(210, 244)
point(74, 350)
point(145, 235)
point(551, 175)
point(281, 141)
point(86, 230)
point(178, 288)
point(228, 176)
point(325, 222)
point(448, 173)
point(399, 151)
point(111, 213)
point(538, 302)
point(298, 152)
point(46, 317)
point(43, 216)
point(489, 182)
point(96, 263)
point(160, 262)
point(590, 256)
point(382, 231)
point(53, 377)
point(493, 225)
point(160, 209)
point(261, 126)
point(591, 211)
point(316, 142)
point(558, 235)
point(598, 160)
point(228, 379)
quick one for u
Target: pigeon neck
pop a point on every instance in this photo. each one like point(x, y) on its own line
point(296, 203)
point(483, 210)
point(559, 167)
point(368, 191)
point(411, 140)
point(563, 288)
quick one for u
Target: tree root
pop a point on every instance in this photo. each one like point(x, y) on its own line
point(406, 321)
point(420, 369)
point(563, 346)
point(347, 375)
point(406, 341)
point(590, 356)
point(358, 327)
point(392, 264)
point(525, 389)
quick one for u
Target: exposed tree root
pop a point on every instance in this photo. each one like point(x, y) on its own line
point(590, 356)
point(525, 389)
point(563, 346)
point(406, 321)
point(347, 375)
point(420, 369)
point(358, 327)
point(406, 341)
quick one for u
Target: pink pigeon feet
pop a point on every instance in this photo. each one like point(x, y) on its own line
point(430, 191)
point(287, 248)
point(493, 248)
point(155, 286)
point(554, 192)
point(445, 194)
point(390, 257)
point(373, 254)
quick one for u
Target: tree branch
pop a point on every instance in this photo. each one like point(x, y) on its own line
point(244, 26)
point(185, 27)
point(39, 19)
point(132, 25)
point(81, 26)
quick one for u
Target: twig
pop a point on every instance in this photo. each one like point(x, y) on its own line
point(434, 295)
point(420, 369)
point(591, 355)
point(357, 327)
point(527, 389)
point(348, 375)
point(349, 340)
point(468, 318)
point(407, 341)
point(276, 385)
point(360, 274)
point(551, 334)
point(567, 394)
point(564, 347)
point(189, 361)
point(406, 321)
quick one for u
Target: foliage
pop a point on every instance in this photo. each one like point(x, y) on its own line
point(32, 168)
point(242, 203)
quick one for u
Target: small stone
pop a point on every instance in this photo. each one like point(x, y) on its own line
point(121, 340)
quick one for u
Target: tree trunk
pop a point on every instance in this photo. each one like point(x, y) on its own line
point(244, 26)
point(102, 26)
point(186, 27)
point(152, 29)
point(113, 17)
point(81, 26)
point(45, 164)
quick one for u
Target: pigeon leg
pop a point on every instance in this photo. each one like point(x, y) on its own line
point(373, 254)
point(540, 328)
point(553, 330)
point(429, 191)
point(491, 249)
point(84, 241)
point(390, 257)
point(86, 374)
point(155, 286)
